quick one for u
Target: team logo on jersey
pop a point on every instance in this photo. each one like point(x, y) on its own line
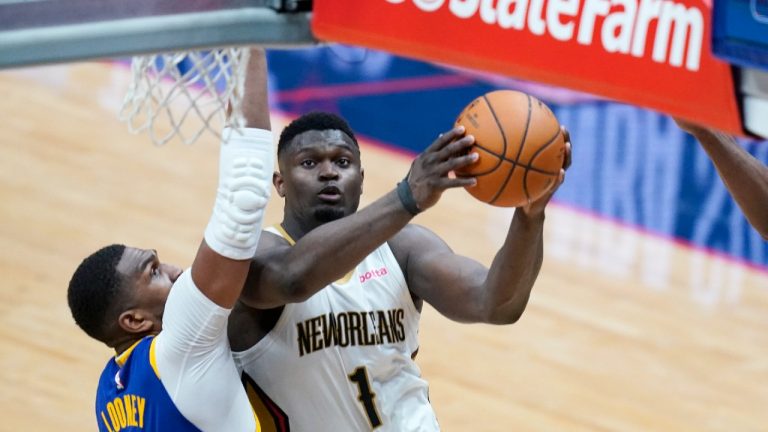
point(350, 329)
point(118, 381)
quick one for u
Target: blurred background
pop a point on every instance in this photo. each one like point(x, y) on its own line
point(649, 313)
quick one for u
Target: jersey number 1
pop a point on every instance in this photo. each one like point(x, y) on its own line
point(365, 395)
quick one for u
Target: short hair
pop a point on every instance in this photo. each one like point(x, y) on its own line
point(316, 120)
point(94, 289)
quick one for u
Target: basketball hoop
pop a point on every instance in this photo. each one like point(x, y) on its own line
point(185, 94)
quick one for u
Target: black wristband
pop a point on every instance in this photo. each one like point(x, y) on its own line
point(406, 197)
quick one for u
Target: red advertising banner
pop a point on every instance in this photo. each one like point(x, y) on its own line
point(650, 53)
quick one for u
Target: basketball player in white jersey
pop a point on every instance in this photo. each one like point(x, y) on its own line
point(745, 177)
point(327, 327)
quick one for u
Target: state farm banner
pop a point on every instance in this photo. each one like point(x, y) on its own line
point(651, 53)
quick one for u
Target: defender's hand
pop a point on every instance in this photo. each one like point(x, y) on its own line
point(429, 175)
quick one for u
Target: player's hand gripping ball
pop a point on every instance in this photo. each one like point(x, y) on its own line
point(520, 145)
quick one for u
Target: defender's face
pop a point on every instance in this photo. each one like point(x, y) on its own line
point(148, 282)
point(321, 178)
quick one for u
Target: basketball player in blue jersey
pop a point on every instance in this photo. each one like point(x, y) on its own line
point(173, 369)
point(745, 177)
point(327, 328)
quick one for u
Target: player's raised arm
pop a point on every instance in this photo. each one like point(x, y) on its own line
point(458, 286)
point(463, 289)
point(168, 326)
point(745, 177)
point(245, 168)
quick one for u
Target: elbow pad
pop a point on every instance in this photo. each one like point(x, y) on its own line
point(245, 172)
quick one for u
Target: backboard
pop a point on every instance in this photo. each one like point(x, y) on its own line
point(740, 32)
point(49, 31)
point(740, 36)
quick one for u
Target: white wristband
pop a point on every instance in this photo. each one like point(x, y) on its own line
point(245, 172)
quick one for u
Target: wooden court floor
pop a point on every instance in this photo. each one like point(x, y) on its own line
point(624, 331)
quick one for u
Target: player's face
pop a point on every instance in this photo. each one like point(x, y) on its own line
point(149, 282)
point(321, 178)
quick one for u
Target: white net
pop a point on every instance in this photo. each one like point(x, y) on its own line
point(185, 94)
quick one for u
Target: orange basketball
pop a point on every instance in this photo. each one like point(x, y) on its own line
point(520, 145)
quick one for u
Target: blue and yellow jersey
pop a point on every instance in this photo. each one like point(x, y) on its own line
point(131, 397)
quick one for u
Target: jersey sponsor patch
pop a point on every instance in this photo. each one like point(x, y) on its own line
point(373, 274)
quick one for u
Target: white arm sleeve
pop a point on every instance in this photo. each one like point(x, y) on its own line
point(195, 363)
point(246, 163)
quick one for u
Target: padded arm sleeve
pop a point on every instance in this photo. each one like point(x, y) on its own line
point(245, 172)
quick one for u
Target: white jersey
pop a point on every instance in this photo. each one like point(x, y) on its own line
point(194, 362)
point(342, 360)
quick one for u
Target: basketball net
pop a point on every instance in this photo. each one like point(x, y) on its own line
point(185, 94)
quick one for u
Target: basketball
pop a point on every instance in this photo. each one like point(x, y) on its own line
point(520, 146)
